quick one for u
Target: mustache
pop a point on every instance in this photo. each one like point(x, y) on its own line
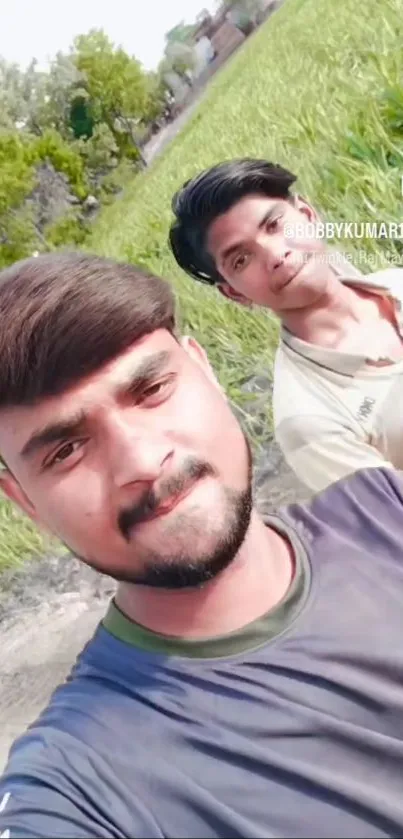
point(192, 470)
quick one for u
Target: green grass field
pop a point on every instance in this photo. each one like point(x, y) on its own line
point(318, 89)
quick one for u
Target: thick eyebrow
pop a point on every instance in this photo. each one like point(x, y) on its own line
point(145, 371)
point(52, 433)
point(150, 367)
point(268, 216)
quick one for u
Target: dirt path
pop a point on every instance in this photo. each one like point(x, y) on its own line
point(158, 143)
point(48, 611)
point(37, 654)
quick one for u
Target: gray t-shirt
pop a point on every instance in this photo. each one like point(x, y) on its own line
point(291, 727)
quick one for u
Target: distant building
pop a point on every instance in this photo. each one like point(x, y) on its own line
point(215, 37)
point(212, 39)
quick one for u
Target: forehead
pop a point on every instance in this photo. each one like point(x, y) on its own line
point(145, 357)
point(240, 220)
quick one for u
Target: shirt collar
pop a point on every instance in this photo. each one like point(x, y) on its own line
point(341, 362)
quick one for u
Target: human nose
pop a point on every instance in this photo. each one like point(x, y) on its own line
point(275, 251)
point(136, 453)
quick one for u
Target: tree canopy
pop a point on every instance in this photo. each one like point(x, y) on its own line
point(84, 117)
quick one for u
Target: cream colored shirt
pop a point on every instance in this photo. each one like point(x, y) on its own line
point(334, 412)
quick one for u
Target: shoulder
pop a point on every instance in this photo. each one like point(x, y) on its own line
point(60, 779)
point(367, 505)
point(57, 785)
point(49, 776)
point(389, 278)
point(376, 489)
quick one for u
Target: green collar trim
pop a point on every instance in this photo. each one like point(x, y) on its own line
point(252, 636)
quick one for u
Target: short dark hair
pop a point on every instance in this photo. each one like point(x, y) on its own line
point(64, 315)
point(211, 193)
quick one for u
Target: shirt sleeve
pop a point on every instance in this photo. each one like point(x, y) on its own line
point(52, 788)
point(32, 809)
point(320, 451)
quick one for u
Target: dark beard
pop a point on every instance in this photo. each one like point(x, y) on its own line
point(192, 470)
point(188, 572)
point(185, 571)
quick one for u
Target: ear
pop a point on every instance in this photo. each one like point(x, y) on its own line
point(13, 490)
point(227, 291)
point(304, 207)
point(199, 356)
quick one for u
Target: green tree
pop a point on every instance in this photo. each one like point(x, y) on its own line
point(156, 97)
point(117, 87)
point(17, 178)
point(13, 108)
point(86, 117)
point(65, 158)
point(179, 57)
point(65, 85)
point(181, 33)
point(245, 12)
point(81, 119)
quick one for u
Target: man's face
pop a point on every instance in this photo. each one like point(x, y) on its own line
point(141, 469)
point(264, 257)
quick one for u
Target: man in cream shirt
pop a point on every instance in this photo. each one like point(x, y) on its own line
point(338, 372)
point(340, 409)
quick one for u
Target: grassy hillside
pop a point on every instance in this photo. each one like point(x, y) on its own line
point(310, 91)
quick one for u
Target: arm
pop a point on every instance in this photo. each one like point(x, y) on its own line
point(320, 451)
point(52, 790)
point(55, 785)
point(34, 809)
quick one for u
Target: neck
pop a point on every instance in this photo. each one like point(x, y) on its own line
point(332, 317)
point(255, 582)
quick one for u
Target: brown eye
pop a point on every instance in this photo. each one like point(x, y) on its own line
point(64, 453)
point(157, 392)
point(153, 390)
point(272, 225)
point(240, 262)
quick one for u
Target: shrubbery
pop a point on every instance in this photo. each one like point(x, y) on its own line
point(81, 122)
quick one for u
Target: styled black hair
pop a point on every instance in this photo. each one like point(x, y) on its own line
point(211, 193)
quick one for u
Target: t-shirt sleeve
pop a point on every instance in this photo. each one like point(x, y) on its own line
point(50, 790)
point(32, 809)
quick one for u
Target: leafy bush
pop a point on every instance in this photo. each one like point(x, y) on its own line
point(68, 230)
point(116, 180)
point(100, 152)
point(18, 236)
point(17, 178)
point(64, 157)
point(17, 175)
